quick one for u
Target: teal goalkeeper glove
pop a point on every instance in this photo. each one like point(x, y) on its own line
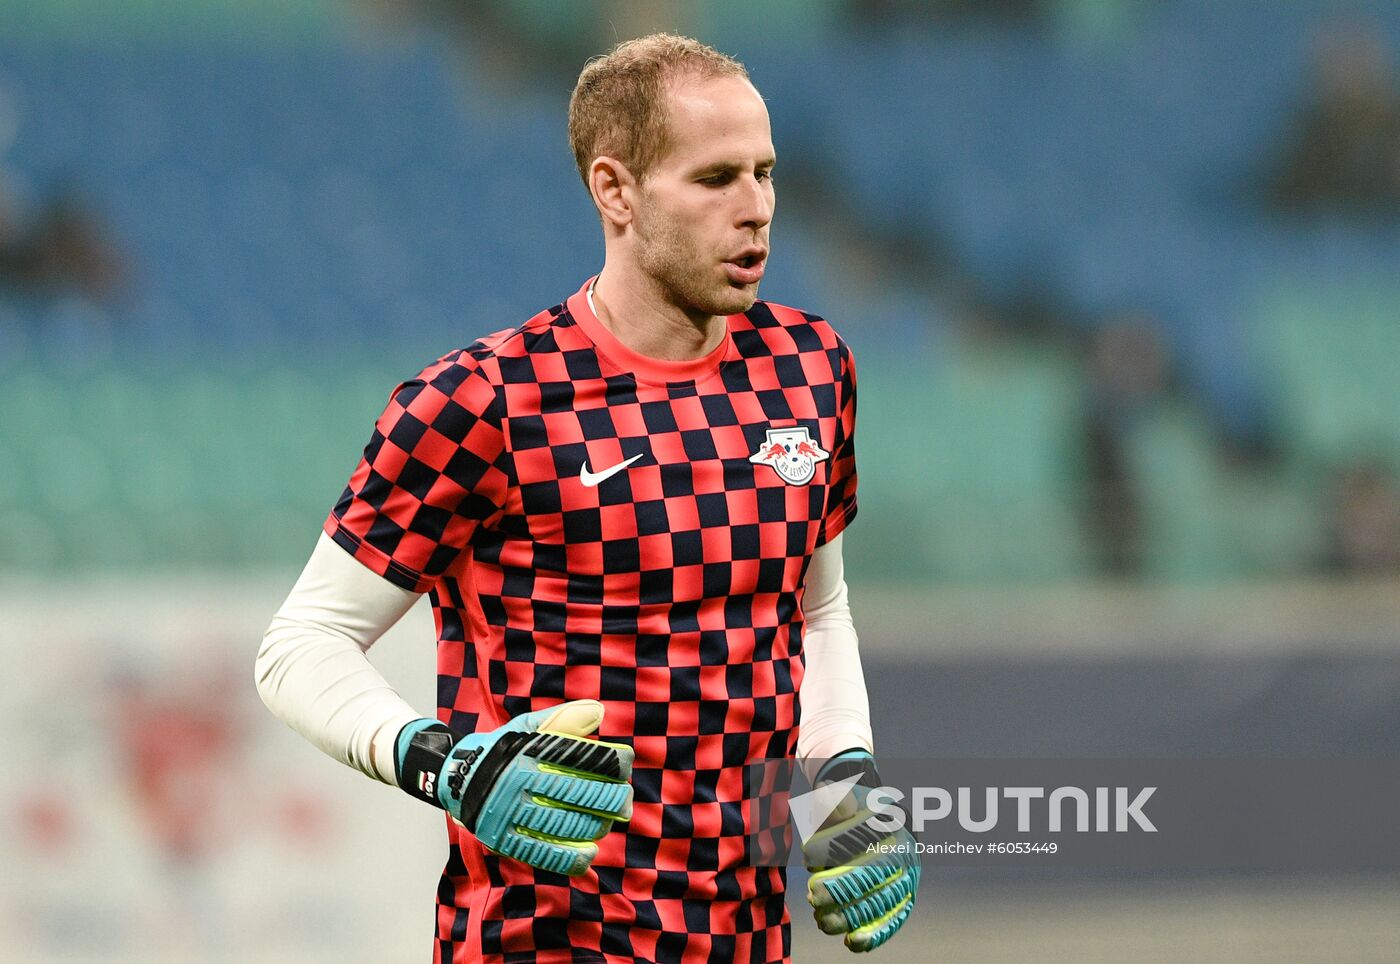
point(864, 880)
point(533, 789)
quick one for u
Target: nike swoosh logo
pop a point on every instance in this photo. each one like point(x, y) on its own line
point(590, 479)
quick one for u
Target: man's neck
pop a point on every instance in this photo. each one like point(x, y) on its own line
point(638, 313)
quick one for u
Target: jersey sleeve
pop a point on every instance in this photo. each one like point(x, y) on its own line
point(841, 484)
point(434, 472)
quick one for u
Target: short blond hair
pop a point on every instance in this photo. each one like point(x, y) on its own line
point(618, 107)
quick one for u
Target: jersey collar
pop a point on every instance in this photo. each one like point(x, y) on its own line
point(644, 367)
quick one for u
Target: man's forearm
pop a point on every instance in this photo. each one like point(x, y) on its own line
point(835, 707)
point(312, 671)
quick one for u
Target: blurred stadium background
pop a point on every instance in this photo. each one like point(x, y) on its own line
point(1123, 282)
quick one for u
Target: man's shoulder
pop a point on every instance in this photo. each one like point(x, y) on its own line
point(519, 339)
point(780, 326)
point(484, 355)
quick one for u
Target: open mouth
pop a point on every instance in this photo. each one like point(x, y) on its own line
point(747, 268)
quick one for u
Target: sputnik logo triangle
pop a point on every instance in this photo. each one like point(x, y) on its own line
point(810, 810)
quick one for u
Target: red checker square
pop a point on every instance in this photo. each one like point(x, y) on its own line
point(452, 658)
point(483, 437)
point(520, 675)
point(358, 477)
point(468, 699)
point(739, 716)
point(583, 683)
point(772, 539)
point(644, 476)
point(708, 817)
point(689, 584)
point(521, 396)
point(743, 506)
point(683, 513)
point(689, 410)
point(458, 530)
point(628, 421)
point(621, 586)
point(390, 460)
point(584, 557)
point(798, 497)
point(549, 647)
point(713, 679)
point(655, 551)
point(746, 572)
point(517, 554)
point(816, 366)
point(618, 650)
point(673, 852)
point(651, 750)
point(534, 465)
point(563, 429)
point(678, 784)
point(435, 449)
point(550, 367)
point(619, 716)
point(667, 449)
point(414, 550)
point(619, 521)
point(801, 402)
point(484, 580)
point(718, 544)
point(683, 716)
point(586, 621)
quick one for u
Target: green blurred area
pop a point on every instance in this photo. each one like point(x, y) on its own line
point(970, 463)
point(1329, 357)
point(149, 468)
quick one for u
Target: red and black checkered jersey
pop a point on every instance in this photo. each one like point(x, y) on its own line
point(591, 523)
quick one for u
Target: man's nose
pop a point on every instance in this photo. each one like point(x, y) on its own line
point(756, 206)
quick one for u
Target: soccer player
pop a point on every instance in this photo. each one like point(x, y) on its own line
point(627, 513)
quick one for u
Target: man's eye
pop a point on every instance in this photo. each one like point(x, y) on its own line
point(764, 175)
point(715, 179)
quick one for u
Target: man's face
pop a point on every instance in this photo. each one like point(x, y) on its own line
point(702, 224)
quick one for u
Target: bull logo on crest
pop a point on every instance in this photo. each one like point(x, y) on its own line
point(792, 454)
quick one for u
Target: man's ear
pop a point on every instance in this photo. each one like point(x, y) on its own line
point(614, 190)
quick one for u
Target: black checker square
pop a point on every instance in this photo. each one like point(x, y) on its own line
point(652, 519)
point(541, 498)
point(597, 423)
point(584, 525)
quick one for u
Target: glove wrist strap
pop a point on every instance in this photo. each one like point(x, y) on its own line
point(422, 748)
point(850, 763)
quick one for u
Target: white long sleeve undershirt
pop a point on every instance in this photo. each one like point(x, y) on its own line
point(312, 671)
point(313, 674)
point(835, 705)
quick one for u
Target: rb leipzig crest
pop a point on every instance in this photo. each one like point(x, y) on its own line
point(792, 454)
